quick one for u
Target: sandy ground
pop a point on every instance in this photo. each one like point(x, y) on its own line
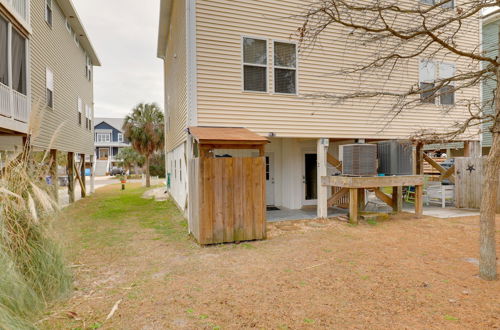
point(403, 273)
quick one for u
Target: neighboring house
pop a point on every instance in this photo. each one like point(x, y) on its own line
point(109, 139)
point(46, 65)
point(233, 64)
point(491, 23)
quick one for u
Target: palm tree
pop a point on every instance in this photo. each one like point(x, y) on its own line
point(144, 128)
point(130, 158)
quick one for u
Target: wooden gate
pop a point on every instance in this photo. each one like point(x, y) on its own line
point(227, 199)
point(469, 182)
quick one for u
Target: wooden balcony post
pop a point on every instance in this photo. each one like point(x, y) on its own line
point(83, 184)
point(53, 174)
point(92, 174)
point(71, 177)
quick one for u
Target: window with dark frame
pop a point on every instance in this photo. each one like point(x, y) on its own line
point(254, 65)
point(18, 52)
point(48, 12)
point(285, 68)
point(432, 72)
point(80, 107)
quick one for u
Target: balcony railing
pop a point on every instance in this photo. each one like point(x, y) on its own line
point(13, 104)
point(5, 108)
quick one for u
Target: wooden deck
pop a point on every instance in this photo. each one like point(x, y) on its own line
point(355, 187)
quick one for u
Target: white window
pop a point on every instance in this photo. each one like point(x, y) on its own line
point(77, 41)
point(254, 65)
point(88, 67)
point(120, 137)
point(48, 12)
point(68, 27)
point(88, 117)
point(432, 72)
point(446, 4)
point(80, 109)
point(49, 86)
point(285, 68)
point(103, 137)
point(447, 93)
point(4, 51)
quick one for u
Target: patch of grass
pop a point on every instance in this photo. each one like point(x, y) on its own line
point(203, 317)
point(372, 222)
point(450, 318)
point(309, 321)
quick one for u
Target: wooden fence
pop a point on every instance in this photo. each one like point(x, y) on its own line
point(469, 182)
point(227, 199)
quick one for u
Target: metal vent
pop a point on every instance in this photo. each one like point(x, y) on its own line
point(360, 160)
point(395, 157)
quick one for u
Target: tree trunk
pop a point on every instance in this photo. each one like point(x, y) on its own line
point(148, 176)
point(488, 258)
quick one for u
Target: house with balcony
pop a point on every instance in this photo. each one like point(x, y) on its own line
point(236, 64)
point(108, 139)
point(46, 65)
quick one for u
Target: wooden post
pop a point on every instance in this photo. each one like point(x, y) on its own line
point(361, 199)
point(419, 159)
point(53, 174)
point(71, 176)
point(353, 205)
point(322, 150)
point(419, 200)
point(472, 149)
point(83, 184)
point(92, 174)
point(397, 199)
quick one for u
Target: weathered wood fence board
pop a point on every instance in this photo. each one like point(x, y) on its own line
point(230, 199)
point(469, 182)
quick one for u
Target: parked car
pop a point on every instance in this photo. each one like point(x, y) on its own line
point(117, 171)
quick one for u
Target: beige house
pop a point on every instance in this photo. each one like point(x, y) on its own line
point(47, 64)
point(236, 64)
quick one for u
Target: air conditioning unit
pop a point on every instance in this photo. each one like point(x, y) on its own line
point(359, 160)
point(395, 157)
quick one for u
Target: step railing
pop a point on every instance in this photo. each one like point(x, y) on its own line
point(20, 103)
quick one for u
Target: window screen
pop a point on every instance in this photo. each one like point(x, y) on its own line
point(427, 81)
point(447, 93)
point(49, 84)
point(285, 68)
point(4, 65)
point(254, 65)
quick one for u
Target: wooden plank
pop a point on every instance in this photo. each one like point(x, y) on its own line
point(353, 205)
point(397, 199)
point(337, 196)
point(79, 179)
point(370, 182)
point(449, 174)
point(419, 200)
point(259, 196)
point(206, 214)
point(218, 200)
point(228, 199)
point(334, 161)
point(248, 203)
point(419, 160)
point(434, 164)
point(239, 195)
point(383, 197)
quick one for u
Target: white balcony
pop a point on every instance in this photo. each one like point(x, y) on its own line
point(13, 104)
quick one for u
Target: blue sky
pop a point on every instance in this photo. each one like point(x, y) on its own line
point(124, 34)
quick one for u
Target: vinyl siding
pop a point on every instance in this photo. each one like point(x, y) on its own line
point(55, 48)
point(490, 45)
point(176, 78)
point(221, 24)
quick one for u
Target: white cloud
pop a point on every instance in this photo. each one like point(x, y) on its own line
point(124, 34)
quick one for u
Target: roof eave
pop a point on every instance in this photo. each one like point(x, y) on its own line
point(69, 10)
point(164, 27)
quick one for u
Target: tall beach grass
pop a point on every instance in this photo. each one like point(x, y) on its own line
point(32, 272)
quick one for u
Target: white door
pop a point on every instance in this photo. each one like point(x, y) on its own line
point(310, 179)
point(270, 179)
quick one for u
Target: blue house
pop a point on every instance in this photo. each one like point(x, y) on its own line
point(109, 139)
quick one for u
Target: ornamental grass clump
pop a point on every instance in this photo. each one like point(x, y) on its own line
point(33, 272)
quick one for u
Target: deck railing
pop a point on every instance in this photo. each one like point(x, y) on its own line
point(5, 108)
point(20, 103)
point(13, 104)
